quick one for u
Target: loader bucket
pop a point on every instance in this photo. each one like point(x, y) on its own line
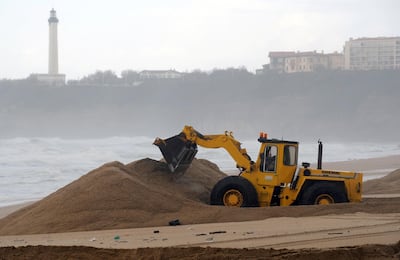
point(178, 152)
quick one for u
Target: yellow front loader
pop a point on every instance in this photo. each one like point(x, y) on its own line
point(274, 179)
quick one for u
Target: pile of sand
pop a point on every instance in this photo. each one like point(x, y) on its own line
point(388, 184)
point(142, 193)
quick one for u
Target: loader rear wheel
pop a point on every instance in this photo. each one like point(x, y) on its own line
point(324, 199)
point(323, 193)
point(234, 191)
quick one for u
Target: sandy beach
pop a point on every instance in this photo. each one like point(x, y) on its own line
point(374, 221)
point(303, 232)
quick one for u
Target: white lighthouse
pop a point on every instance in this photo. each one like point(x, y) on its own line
point(52, 78)
point(53, 44)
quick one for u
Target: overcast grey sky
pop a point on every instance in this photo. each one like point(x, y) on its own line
point(181, 34)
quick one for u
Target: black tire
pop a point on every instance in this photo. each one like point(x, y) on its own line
point(323, 192)
point(236, 185)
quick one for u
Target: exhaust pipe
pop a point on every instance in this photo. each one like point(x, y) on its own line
point(319, 166)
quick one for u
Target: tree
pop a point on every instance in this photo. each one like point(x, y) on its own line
point(129, 77)
point(106, 77)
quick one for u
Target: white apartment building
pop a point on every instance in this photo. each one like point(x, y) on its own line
point(378, 53)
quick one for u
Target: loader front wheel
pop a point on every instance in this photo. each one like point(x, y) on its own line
point(233, 198)
point(234, 191)
point(324, 193)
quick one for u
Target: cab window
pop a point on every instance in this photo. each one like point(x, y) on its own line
point(268, 159)
point(290, 155)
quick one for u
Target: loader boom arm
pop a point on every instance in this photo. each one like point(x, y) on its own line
point(179, 150)
point(226, 141)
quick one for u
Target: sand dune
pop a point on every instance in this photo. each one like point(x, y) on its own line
point(389, 184)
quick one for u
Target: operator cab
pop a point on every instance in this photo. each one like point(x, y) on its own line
point(278, 157)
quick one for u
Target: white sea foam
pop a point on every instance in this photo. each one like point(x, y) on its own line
point(31, 168)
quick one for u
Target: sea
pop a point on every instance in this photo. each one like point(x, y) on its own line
point(32, 168)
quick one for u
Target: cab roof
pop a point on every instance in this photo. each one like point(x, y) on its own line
point(276, 141)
